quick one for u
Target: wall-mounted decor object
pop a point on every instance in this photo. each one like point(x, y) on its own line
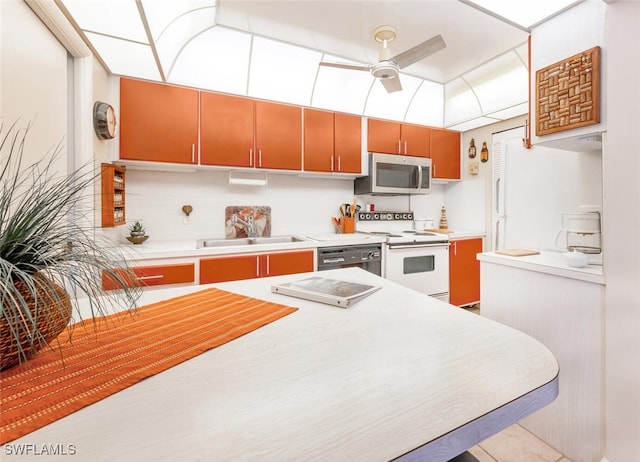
point(568, 93)
point(104, 120)
point(247, 221)
point(484, 152)
point(472, 149)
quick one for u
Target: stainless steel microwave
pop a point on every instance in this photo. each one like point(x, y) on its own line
point(394, 174)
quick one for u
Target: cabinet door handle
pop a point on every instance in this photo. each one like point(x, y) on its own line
point(399, 146)
point(193, 153)
point(258, 266)
point(145, 278)
point(339, 167)
point(455, 248)
point(405, 147)
point(268, 265)
point(259, 157)
point(433, 167)
point(250, 157)
point(332, 163)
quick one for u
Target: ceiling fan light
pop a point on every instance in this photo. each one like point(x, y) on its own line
point(385, 70)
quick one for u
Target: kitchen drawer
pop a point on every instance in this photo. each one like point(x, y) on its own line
point(156, 275)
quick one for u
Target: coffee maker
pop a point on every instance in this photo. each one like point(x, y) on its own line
point(582, 232)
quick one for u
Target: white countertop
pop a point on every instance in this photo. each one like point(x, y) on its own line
point(466, 234)
point(188, 248)
point(549, 262)
point(396, 371)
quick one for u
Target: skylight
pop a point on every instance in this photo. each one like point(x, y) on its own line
point(523, 14)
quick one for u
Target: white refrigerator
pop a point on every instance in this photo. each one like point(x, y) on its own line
point(530, 188)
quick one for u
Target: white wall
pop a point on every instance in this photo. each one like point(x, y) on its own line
point(24, 93)
point(298, 204)
point(579, 29)
point(541, 183)
point(622, 231)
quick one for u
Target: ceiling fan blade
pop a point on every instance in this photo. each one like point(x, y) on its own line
point(421, 51)
point(392, 85)
point(355, 67)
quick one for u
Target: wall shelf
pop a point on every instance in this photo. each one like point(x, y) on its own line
point(113, 195)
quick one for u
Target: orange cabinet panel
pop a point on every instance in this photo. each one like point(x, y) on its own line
point(289, 263)
point(383, 136)
point(231, 268)
point(154, 275)
point(464, 271)
point(332, 142)
point(278, 131)
point(415, 140)
point(237, 267)
point(318, 141)
point(398, 138)
point(158, 122)
point(445, 153)
point(226, 130)
point(348, 143)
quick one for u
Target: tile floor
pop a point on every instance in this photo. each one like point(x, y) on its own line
point(515, 443)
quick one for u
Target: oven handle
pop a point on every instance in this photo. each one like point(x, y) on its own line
point(418, 245)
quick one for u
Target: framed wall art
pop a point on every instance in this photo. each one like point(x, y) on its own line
point(568, 93)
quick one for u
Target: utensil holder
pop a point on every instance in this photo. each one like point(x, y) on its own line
point(348, 225)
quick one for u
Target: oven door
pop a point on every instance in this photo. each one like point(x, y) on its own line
point(422, 267)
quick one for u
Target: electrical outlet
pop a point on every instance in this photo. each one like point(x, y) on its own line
point(473, 168)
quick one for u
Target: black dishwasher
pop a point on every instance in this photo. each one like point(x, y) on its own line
point(366, 256)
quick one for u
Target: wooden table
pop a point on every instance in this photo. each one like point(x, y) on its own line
point(397, 375)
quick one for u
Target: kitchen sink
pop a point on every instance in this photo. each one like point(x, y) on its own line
point(247, 241)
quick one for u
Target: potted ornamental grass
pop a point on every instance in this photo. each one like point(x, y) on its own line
point(50, 257)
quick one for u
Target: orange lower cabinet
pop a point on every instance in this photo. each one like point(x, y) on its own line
point(229, 268)
point(464, 271)
point(288, 263)
point(236, 267)
point(153, 276)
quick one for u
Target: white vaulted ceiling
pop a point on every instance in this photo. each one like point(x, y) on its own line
point(271, 50)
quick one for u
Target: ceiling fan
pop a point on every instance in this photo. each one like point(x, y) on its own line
point(387, 67)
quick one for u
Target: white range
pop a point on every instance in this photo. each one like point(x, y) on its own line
point(416, 259)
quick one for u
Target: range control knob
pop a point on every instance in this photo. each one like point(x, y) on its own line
point(389, 216)
point(376, 216)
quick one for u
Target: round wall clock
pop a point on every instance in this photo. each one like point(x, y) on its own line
point(104, 120)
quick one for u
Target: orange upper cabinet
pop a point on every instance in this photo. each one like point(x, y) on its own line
point(348, 143)
point(158, 122)
point(398, 138)
point(445, 153)
point(332, 142)
point(278, 136)
point(226, 130)
point(415, 140)
point(242, 132)
point(383, 136)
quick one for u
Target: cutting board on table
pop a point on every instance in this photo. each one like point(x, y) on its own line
point(517, 252)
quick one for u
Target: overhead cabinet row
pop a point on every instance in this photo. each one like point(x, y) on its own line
point(166, 123)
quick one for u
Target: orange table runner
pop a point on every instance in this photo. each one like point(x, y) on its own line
point(125, 350)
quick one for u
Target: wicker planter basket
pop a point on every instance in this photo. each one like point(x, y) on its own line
point(51, 314)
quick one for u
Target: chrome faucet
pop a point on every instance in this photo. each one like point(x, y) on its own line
point(248, 225)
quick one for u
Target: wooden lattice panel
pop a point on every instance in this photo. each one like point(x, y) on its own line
point(568, 93)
